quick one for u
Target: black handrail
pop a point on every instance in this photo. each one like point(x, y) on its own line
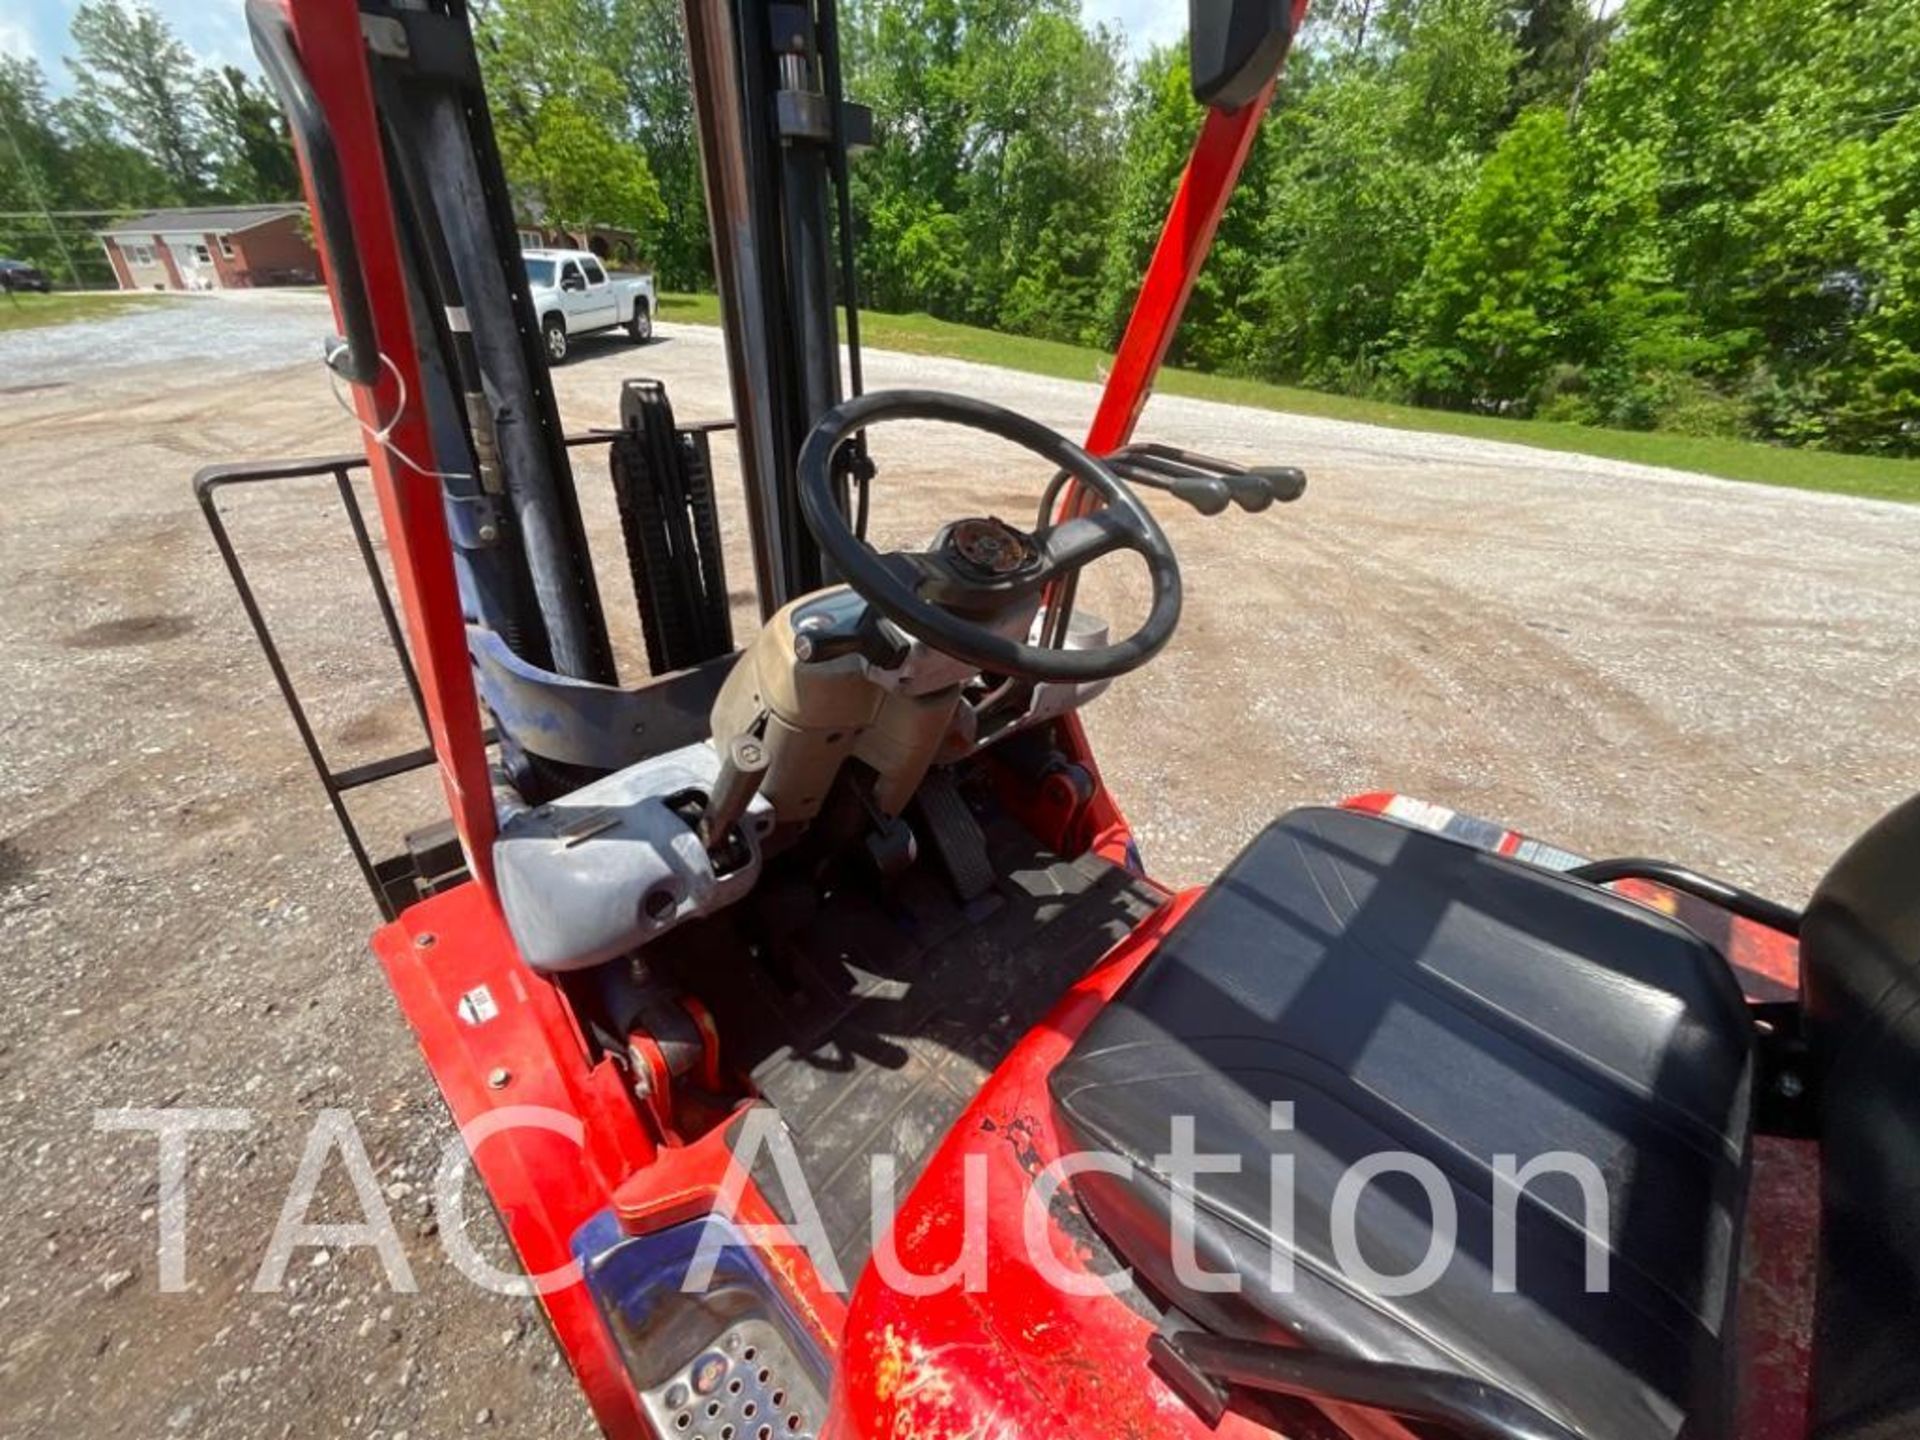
point(1471, 1408)
point(1744, 903)
point(336, 783)
point(272, 34)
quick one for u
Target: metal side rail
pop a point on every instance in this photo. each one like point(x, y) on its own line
point(384, 878)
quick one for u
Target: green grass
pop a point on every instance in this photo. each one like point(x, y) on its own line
point(62, 307)
point(1729, 459)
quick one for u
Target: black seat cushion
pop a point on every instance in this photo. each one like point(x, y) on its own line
point(1860, 959)
point(1409, 993)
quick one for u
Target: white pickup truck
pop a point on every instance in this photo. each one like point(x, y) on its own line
point(573, 295)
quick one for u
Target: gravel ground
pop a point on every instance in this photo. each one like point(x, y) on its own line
point(1617, 658)
point(246, 329)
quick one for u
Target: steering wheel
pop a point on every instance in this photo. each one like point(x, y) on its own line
point(947, 595)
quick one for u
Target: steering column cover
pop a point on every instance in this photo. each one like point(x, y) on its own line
point(814, 716)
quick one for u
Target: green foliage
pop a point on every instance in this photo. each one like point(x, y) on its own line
point(134, 80)
point(653, 69)
point(569, 134)
point(1692, 215)
point(252, 157)
point(33, 148)
point(1160, 120)
point(1749, 187)
point(1688, 215)
point(33, 160)
point(1376, 138)
point(33, 312)
point(1559, 42)
point(988, 193)
point(1732, 459)
point(1490, 309)
point(578, 171)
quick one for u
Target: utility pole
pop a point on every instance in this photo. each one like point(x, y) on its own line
point(33, 192)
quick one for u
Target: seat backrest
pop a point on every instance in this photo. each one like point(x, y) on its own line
point(1860, 977)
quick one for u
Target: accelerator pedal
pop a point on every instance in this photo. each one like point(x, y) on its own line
point(955, 835)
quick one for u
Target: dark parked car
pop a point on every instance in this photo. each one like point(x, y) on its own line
point(18, 275)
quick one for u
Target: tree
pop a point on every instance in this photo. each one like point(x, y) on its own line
point(906, 60)
point(134, 79)
point(30, 146)
point(1370, 153)
point(652, 52)
point(52, 164)
point(1757, 161)
point(252, 156)
point(566, 131)
point(579, 173)
point(1696, 214)
point(1560, 42)
point(1488, 314)
point(1160, 120)
point(1455, 66)
point(31, 157)
point(102, 170)
point(992, 177)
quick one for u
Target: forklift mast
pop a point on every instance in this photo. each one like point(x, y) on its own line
point(441, 348)
point(774, 136)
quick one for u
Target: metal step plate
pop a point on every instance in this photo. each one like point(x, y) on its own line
point(745, 1386)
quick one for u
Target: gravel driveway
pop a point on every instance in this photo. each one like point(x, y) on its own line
point(239, 332)
point(1617, 658)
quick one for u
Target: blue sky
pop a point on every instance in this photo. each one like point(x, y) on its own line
point(215, 31)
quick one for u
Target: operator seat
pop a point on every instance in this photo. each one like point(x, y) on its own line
point(1404, 992)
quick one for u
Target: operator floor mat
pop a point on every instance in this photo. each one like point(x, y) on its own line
point(871, 1022)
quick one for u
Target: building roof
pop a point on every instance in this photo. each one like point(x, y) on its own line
point(198, 220)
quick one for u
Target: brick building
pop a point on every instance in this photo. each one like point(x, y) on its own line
point(619, 248)
point(232, 247)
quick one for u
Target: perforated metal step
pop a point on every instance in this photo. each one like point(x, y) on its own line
point(745, 1386)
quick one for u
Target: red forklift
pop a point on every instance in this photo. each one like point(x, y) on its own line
point(747, 979)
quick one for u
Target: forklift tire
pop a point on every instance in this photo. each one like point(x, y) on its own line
point(555, 330)
point(640, 327)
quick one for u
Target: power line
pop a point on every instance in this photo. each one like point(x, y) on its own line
point(33, 188)
point(65, 214)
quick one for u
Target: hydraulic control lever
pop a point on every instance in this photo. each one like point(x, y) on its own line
point(1209, 494)
point(1205, 483)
